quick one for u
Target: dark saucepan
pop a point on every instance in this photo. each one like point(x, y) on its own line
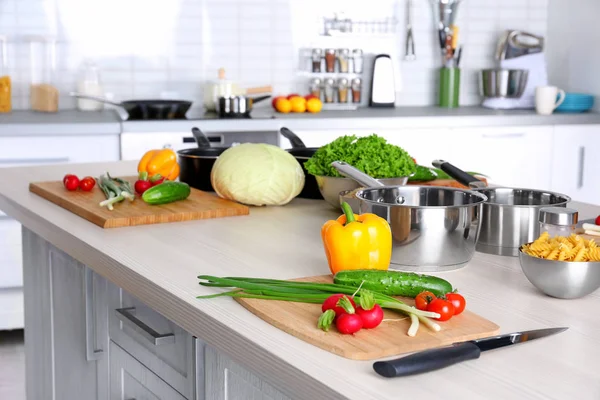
point(196, 165)
point(302, 154)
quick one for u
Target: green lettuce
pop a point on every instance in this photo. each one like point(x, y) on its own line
point(370, 154)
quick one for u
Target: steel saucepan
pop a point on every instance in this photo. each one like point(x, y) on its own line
point(509, 218)
point(139, 110)
point(433, 228)
point(302, 153)
point(237, 106)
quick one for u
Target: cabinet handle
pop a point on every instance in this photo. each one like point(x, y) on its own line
point(502, 135)
point(126, 315)
point(58, 160)
point(581, 167)
point(212, 139)
point(91, 354)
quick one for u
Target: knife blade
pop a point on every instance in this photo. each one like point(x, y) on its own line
point(434, 359)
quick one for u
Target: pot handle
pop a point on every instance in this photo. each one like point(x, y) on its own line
point(296, 142)
point(200, 138)
point(458, 174)
point(260, 98)
point(350, 172)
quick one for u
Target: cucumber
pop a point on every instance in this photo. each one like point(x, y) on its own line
point(422, 174)
point(393, 283)
point(166, 192)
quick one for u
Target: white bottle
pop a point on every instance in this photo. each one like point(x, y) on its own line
point(89, 83)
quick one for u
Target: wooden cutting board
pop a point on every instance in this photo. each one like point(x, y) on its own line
point(443, 183)
point(199, 205)
point(388, 339)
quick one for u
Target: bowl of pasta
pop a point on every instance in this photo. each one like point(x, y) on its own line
point(565, 267)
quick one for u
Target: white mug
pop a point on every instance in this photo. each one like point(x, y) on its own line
point(545, 99)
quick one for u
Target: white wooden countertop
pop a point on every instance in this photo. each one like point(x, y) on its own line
point(159, 264)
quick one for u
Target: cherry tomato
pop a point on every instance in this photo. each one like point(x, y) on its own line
point(65, 178)
point(423, 299)
point(87, 184)
point(597, 222)
point(442, 307)
point(458, 301)
point(71, 182)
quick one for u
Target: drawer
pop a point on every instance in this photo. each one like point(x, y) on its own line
point(11, 257)
point(130, 380)
point(160, 345)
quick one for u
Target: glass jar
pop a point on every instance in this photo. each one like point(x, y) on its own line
point(89, 83)
point(315, 87)
point(43, 94)
point(343, 56)
point(356, 90)
point(342, 85)
point(5, 82)
point(330, 60)
point(317, 56)
point(329, 88)
point(357, 61)
point(558, 221)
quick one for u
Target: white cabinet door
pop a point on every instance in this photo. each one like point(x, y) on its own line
point(226, 380)
point(131, 380)
point(66, 327)
point(510, 156)
point(575, 168)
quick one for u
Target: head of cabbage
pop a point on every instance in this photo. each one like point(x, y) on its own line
point(257, 174)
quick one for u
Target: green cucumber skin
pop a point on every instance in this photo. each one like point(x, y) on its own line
point(393, 283)
point(423, 174)
point(166, 192)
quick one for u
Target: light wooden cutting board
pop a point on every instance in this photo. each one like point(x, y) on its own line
point(388, 339)
point(199, 205)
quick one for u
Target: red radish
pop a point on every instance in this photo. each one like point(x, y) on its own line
point(597, 220)
point(156, 179)
point(370, 318)
point(142, 186)
point(348, 324)
point(331, 303)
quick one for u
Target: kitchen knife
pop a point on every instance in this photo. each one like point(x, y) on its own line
point(434, 359)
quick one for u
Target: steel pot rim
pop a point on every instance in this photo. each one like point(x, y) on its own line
point(482, 198)
point(567, 199)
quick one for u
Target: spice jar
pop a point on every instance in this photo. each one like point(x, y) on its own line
point(43, 95)
point(5, 82)
point(330, 60)
point(343, 56)
point(558, 221)
point(357, 60)
point(342, 85)
point(317, 55)
point(356, 90)
point(315, 87)
point(329, 90)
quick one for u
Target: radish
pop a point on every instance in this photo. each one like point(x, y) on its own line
point(349, 323)
point(369, 312)
point(331, 303)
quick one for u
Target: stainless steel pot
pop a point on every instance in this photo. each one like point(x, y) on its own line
point(505, 83)
point(509, 218)
point(237, 106)
point(433, 228)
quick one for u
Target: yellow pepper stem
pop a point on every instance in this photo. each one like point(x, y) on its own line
point(348, 212)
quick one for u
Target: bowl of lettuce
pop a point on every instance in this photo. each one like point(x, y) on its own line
point(371, 154)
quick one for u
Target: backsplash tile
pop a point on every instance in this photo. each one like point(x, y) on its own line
point(174, 46)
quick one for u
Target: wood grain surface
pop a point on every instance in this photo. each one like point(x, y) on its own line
point(199, 205)
point(388, 339)
point(444, 183)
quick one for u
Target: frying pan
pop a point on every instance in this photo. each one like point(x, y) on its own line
point(509, 218)
point(196, 164)
point(303, 153)
point(138, 110)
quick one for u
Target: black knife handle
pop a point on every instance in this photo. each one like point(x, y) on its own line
point(457, 173)
point(429, 360)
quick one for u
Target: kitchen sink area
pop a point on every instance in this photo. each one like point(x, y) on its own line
point(284, 200)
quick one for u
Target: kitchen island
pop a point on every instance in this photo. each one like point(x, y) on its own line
point(87, 288)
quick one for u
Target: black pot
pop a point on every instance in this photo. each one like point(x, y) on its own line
point(311, 189)
point(196, 165)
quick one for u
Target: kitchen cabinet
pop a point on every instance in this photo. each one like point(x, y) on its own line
point(226, 380)
point(575, 170)
point(66, 325)
point(510, 156)
point(28, 151)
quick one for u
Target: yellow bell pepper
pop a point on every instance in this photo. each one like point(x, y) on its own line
point(163, 162)
point(357, 241)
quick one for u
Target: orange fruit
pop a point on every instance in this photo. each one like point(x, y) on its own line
point(283, 105)
point(298, 104)
point(314, 105)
